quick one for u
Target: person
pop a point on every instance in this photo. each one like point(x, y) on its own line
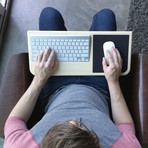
point(76, 109)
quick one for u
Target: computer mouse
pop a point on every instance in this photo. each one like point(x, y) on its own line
point(107, 46)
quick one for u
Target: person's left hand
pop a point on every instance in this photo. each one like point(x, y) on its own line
point(45, 65)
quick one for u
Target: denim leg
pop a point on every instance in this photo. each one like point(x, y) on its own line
point(56, 82)
point(104, 20)
point(51, 19)
point(98, 82)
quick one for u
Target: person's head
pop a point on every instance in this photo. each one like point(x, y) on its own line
point(70, 135)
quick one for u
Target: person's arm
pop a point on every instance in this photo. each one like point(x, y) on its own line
point(112, 72)
point(44, 67)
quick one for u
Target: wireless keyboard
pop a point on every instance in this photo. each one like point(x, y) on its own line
point(68, 48)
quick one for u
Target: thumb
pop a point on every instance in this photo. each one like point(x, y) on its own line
point(104, 63)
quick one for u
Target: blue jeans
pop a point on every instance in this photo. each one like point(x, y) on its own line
point(51, 19)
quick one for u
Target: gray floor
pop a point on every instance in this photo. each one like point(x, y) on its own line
point(77, 14)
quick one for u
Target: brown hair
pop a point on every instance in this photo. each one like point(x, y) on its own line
point(64, 135)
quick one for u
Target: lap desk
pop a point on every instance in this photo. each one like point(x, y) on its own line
point(122, 40)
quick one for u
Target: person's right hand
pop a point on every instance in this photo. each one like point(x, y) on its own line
point(46, 64)
point(113, 70)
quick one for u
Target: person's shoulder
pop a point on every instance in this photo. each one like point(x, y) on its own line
point(17, 135)
point(23, 140)
point(14, 124)
point(128, 138)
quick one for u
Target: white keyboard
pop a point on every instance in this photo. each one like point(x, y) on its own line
point(69, 48)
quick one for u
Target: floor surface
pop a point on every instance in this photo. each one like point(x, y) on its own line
point(76, 13)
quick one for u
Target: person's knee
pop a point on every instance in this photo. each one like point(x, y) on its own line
point(50, 12)
point(51, 19)
point(104, 20)
point(106, 13)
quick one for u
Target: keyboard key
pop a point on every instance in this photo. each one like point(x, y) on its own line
point(63, 59)
point(85, 51)
point(68, 51)
point(84, 55)
point(86, 43)
point(71, 59)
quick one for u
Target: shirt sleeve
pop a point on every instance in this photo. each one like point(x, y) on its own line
point(17, 135)
point(128, 138)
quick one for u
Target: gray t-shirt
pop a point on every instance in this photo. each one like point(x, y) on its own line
point(82, 103)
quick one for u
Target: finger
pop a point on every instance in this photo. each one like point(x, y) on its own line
point(46, 54)
point(51, 57)
point(104, 63)
point(36, 59)
point(40, 56)
point(119, 58)
point(110, 58)
point(115, 56)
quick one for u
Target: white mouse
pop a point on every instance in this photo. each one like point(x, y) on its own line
point(107, 46)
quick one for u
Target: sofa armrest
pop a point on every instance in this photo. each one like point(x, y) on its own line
point(139, 97)
point(135, 90)
point(16, 80)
